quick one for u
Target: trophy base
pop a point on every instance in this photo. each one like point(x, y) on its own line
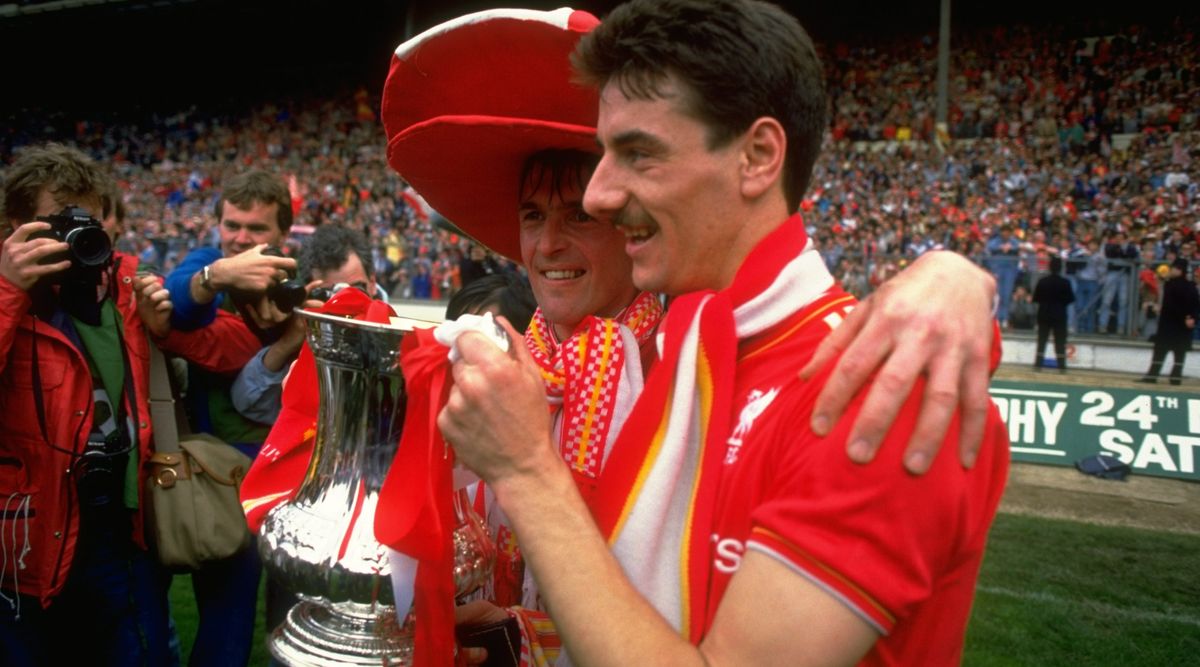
point(318, 634)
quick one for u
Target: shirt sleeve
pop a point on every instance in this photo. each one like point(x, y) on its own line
point(257, 393)
point(187, 315)
point(873, 536)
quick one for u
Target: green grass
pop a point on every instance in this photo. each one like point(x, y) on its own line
point(1057, 592)
point(1050, 592)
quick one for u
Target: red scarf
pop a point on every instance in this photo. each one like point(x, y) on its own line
point(415, 514)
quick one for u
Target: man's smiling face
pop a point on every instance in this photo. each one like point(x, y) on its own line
point(577, 266)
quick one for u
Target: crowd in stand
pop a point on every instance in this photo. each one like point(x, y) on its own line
point(1055, 141)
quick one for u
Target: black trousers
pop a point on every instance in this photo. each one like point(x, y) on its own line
point(1060, 342)
point(1179, 348)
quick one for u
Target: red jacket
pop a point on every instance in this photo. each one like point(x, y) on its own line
point(36, 487)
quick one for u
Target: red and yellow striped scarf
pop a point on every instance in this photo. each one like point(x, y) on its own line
point(583, 375)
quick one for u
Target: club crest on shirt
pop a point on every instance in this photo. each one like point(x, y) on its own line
point(756, 403)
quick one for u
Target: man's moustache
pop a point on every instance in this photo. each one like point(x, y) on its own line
point(636, 218)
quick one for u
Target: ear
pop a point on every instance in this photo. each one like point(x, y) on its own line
point(764, 147)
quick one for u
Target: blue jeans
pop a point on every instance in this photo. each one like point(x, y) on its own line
point(1085, 307)
point(1115, 283)
point(113, 610)
point(1006, 281)
point(227, 598)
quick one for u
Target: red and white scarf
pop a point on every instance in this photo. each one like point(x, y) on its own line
point(595, 376)
point(655, 502)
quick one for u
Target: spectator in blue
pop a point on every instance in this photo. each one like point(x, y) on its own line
point(253, 212)
point(1091, 271)
point(1116, 284)
point(1001, 260)
point(422, 284)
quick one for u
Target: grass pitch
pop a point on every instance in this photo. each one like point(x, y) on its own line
point(1055, 592)
point(1051, 592)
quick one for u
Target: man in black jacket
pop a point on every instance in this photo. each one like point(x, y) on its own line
point(1053, 294)
point(1177, 319)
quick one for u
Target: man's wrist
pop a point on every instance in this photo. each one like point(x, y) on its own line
point(206, 279)
point(531, 480)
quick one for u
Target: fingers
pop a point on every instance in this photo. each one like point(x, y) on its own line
point(36, 270)
point(836, 342)
point(938, 406)
point(21, 262)
point(477, 348)
point(976, 402)
point(852, 372)
point(32, 252)
point(155, 295)
point(21, 233)
point(887, 394)
point(474, 655)
point(478, 612)
point(271, 313)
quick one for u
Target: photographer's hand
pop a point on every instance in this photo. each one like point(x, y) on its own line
point(20, 256)
point(284, 350)
point(251, 271)
point(154, 305)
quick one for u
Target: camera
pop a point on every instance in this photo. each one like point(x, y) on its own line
point(321, 294)
point(89, 247)
point(289, 294)
point(100, 469)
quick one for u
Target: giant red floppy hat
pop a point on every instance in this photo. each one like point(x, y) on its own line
point(466, 102)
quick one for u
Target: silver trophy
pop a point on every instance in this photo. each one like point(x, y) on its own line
point(321, 545)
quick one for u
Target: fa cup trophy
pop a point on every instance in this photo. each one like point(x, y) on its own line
point(321, 545)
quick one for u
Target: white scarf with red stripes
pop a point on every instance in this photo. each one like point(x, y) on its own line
point(655, 502)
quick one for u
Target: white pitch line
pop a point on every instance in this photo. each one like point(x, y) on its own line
point(1112, 610)
point(1035, 450)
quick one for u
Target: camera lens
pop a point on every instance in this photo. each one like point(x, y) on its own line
point(288, 295)
point(89, 245)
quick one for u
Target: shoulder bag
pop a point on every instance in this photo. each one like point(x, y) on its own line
point(193, 512)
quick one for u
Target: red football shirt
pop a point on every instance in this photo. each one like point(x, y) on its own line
point(901, 551)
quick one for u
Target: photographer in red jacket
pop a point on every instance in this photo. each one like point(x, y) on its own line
point(77, 585)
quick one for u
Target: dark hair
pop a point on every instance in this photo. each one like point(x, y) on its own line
point(66, 172)
point(737, 61)
point(510, 292)
point(258, 187)
point(560, 166)
point(1055, 264)
point(328, 249)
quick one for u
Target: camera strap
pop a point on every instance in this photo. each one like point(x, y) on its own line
point(129, 391)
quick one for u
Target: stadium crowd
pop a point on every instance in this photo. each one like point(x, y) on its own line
point(1064, 141)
